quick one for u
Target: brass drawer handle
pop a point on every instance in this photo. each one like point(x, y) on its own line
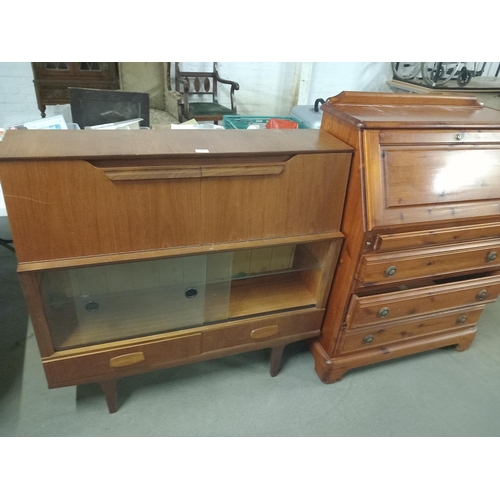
point(390, 271)
point(458, 137)
point(462, 319)
point(368, 339)
point(264, 332)
point(384, 312)
point(126, 359)
point(491, 257)
point(482, 295)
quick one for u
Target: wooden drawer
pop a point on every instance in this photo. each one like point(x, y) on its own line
point(432, 237)
point(258, 331)
point(388, 333)
point(383, 308)
point(133, 356)
point(403, 266)
point(77, 365)
point(430, 177)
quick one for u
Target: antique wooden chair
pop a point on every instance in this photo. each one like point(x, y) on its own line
point(199, 95)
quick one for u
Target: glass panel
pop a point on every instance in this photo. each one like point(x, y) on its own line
point(218, 286)
point(272, 260)
point(90, 66)
point(56, 66)
point(92, 305)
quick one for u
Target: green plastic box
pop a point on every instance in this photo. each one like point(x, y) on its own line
point(242, 122)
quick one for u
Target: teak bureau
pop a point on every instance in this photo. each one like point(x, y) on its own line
point(141, 250)
point(421, 223)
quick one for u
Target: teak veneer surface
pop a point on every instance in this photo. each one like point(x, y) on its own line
point(101, 144)
point(79, 199)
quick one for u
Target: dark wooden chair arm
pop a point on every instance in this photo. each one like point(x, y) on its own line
point(234, 86)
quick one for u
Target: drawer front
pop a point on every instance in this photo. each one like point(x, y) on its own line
point(95, 215)
point(448, 137)
point(424, 181)
point(120, 361)
point(388, 333)
point(259, 331)
point(383, 308)
point(447, 236)
point(129, 357)
point(402, 266)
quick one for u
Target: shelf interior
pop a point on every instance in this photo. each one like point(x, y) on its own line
point(101, 304)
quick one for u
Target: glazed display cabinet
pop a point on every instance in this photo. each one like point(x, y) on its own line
point(421, 223)
point(140, 250)
point(52, 80)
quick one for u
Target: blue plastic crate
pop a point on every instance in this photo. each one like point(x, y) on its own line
point(242, 122)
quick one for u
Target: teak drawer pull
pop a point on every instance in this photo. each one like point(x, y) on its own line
point(264, 332)
point(238, 171)
point(126, 359)
point(145, 174)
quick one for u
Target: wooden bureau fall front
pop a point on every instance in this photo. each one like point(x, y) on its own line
point(141, 250)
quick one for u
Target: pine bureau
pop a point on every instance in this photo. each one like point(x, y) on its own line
point(421, 224)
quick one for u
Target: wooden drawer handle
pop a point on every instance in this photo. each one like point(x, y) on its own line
point(126, 359)
point(264, 332)
point(237, 171)
point(145, 174)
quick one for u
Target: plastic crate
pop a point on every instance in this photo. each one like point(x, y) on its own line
point(242, 122)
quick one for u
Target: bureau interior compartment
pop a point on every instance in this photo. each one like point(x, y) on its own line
point(103, 303)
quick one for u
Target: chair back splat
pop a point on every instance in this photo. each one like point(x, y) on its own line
point(199, 95)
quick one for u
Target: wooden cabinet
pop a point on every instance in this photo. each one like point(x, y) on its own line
point(140, 250)
point(421, 224)
point(52, 79)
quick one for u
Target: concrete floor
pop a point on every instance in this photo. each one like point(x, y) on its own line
point(438, 393)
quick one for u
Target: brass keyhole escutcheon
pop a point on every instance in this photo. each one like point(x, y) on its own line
point(368, 339)
point(462, 319)
point(390, 271)
point(491, 257)
point(383, 312)
point(481, 295)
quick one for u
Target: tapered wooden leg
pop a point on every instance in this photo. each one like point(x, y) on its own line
point(110, 393)
point(276, 353)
